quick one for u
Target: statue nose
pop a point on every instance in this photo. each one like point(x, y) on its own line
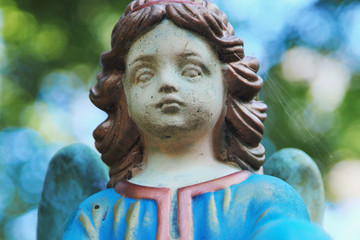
point(167, 88)
point(168, 82)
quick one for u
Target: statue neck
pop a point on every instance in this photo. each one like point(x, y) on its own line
point(178, 163)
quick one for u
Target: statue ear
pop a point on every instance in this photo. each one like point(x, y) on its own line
point(125, 87)
point(129, 111)
point(224, 67)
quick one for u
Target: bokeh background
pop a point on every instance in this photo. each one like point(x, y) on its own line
point(310, 61)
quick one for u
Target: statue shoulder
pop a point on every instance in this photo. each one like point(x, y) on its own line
point(100, 199)
point(281, 212)
point(269, 192)
point(85, 221)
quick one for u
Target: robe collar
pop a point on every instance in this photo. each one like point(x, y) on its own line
point(185, 194)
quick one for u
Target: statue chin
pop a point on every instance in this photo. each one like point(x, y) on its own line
point(180, 130)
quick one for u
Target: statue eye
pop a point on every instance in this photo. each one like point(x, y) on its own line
point(192, 71)
point(144, 75)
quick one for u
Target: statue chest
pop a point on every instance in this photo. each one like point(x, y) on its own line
point(203, 211)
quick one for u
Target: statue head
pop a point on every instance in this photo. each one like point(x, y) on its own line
point(237, 126)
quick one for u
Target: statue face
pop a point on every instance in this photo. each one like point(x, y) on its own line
point(173, 83)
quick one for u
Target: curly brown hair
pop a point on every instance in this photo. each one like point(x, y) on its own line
point(118, 138)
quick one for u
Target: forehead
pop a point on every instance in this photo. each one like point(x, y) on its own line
point(166, 40)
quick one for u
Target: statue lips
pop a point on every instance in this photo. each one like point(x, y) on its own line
point(169, 104)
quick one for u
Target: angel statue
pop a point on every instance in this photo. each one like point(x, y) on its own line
point(182, 137)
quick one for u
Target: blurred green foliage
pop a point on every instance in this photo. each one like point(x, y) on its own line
point(42, 36)
point(289, 124)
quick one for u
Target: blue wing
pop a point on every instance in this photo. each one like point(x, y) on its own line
point(75, 173)
point(297, 169)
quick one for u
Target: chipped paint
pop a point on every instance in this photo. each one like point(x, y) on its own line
point(132, 219)
point(147, 218)
point(97, 213)
point(227, 200)
point(107, 208)
point(212, 215)
point(89, 228)
point(262, 215)
point(119, 210)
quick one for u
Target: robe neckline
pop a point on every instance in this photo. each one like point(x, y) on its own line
point(162, 196)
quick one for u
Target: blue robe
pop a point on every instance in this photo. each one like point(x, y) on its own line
point(238, 206)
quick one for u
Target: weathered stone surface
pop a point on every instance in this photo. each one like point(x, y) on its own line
point(297, 169)
point(74, 173)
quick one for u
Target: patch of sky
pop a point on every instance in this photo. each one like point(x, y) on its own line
point(24, 158)
point(261, 23)
point(58, 89)
point(85, 117)
point(315, 27)
point(350, 20)
point(32, 176)
point(7, 192)
point(341, 220)
point(253, 45)
point(17, 145)
point(22, 227)
point(265, 17)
